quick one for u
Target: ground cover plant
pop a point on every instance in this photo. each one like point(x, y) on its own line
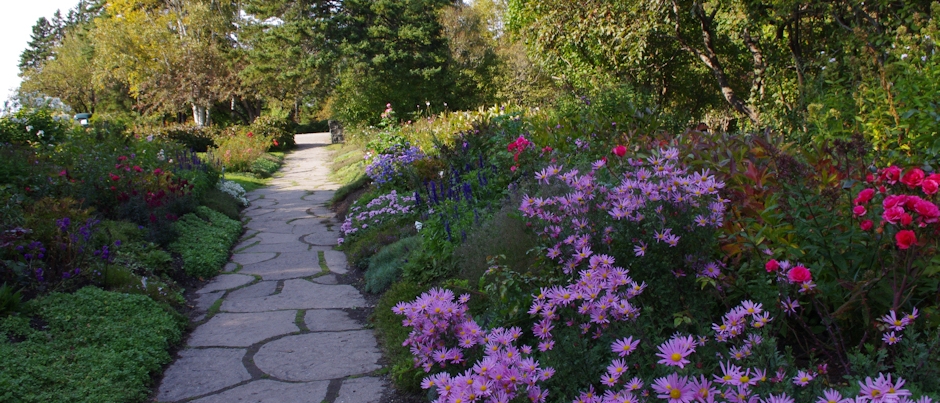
point(100, 230)
point(87, 346)
point(661, 268)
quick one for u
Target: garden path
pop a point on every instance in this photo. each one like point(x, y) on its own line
point(276, 326)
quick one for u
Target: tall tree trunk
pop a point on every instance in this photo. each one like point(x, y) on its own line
point(200, 115)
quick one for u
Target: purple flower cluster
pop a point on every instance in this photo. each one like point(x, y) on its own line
point(893, 322)
point(442, 330)
point(643, 192)
point(375, 212)
point(385, 167)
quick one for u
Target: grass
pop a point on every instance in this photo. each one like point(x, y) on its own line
point(248, 181)
point(89, 346)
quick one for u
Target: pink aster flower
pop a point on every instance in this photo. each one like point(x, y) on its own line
point(893, 321)
point(625, 346)
point(830, 396)
point(802, 378)
point(675, 351)
point(891, 338)
point(674, 388)
point(782, 398)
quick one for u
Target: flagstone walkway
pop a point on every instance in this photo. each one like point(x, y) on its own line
point(276, 325)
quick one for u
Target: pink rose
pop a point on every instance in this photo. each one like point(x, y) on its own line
point(893, 214)
point(866, 225)
point(772, 265)
point(799, 274)
point(859, 211)
point(893, 200)
point(913, 177)
point(905, 238)
point(927, 210)
point(891, 174)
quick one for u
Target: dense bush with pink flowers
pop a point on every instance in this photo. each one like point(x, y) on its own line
point(679, 268)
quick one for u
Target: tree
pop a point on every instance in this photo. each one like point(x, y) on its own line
point(289, 47)
point(41, 43)
point(168, 52)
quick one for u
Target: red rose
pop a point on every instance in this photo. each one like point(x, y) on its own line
point(250, 134)
point(859, 211)
point(906, 219)
point(891, 174)
point(927, 210)
point(913, 177)
point(865, 196)
point(929, 186)
point(772, 266)
point(799, 274)
point(619, 151)
point(905, 238)
point(866, 225)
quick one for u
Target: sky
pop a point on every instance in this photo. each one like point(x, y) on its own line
point(16, 24)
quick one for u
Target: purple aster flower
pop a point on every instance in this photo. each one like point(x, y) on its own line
point(674, 388)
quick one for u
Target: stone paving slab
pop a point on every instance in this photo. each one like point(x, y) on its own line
point(250, 258)
point(336, 261)
point(322, 237)
point(329, 279)
point(360, 390)
point(242, 329)
point(259, 290)
point(268, 391)
point(329, 320)
point(320, 356)
point(288, 265)
point(226, 282)
point(299, 294)
point(200, 371)
point(291, 247)
point(261, 224)
point(267, 239)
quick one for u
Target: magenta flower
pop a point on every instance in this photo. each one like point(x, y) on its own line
point(893, 321)
point(782, 398)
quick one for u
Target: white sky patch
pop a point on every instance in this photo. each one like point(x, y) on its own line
point(16, 26)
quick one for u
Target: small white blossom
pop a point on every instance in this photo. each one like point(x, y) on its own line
point(418, 225)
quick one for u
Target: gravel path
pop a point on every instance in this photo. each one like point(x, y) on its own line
point(277, 324)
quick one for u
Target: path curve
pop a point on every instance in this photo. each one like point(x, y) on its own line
point(276, 325)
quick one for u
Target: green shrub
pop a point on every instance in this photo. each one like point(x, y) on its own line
point(265, 166)
point(221, 202)
point(205, 239)
point(503, 235)
point(96, 346)
point(391, 333)
point(385, 266)
point(276, 130)
point(238, 147)
point(198, 139)
point(10, 300)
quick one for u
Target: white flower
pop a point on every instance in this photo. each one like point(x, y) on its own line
point(40, 133)
point(903, 56)
point(923, 58)
point(832, 60)
point(150, 138)
point(418, 225)
point(233, 189)
point(29, 128)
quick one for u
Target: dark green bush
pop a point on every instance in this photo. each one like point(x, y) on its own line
point(92, 346)
point(385, 267)
point(205, 239)
point(198, 139)
point(502, 235)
